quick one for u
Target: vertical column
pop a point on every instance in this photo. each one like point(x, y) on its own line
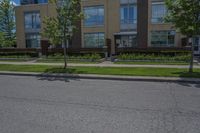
point(142, 24)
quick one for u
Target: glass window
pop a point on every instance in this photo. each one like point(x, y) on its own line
point(32, 20)
point(94, 40)
point(128, 14)
point(124, 41)
point(94, 16)
point(158, 12)
point(32, 40)
point(162, 38)
point(42, 1)
point(26, 2)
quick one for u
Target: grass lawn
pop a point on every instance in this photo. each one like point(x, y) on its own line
point(160, 72)
point(151, 63)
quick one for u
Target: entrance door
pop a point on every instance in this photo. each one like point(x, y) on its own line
point(197, 45)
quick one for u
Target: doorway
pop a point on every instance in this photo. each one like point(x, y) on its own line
point(196, 45)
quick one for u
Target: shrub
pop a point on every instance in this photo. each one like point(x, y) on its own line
point(25, 54)
point(154, 57)
point(92, 57)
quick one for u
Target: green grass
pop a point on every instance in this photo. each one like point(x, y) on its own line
point(159, 72)
point(151, 63)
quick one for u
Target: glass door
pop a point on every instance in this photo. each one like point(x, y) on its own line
point(196, 45)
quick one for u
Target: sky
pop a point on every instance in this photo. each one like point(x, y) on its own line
point(17, 1)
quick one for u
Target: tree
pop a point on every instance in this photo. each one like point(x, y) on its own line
point(7, 24)
point(60, 29)
point(185, 15)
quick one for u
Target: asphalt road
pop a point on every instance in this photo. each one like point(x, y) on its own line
point(49, 105)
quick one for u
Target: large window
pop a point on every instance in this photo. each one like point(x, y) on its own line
point(26, 2)
point(32, 20)
point(42, 1)
point(158, 12)
point(94, 16)
point(128, 14)
point(163, 38)
point(126, 41)
point(94, 40)
point(32, 40)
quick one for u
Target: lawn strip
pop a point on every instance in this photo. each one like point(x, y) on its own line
point(150, 63)
point(139, 71)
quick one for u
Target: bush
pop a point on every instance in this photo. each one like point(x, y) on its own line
point(153, 57)
point(18, 54)
point(92, 57)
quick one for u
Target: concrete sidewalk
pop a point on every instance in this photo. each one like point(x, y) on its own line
point(99, 65)
point(103, 77)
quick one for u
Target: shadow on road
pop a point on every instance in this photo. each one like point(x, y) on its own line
point(189, 84)
point(188, 75)
point(60, 74)
point(51, 78)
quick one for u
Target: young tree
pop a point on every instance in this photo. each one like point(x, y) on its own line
point(60, 29)
point(7, 23)
point(185, 15)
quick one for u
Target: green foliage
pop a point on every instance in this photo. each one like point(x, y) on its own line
point(60, 28)
point(128, 71)
point(91, 57)
point(51, 31)
point(153, 57)
point(18, 54)
point(7, 24)
point(185, 15)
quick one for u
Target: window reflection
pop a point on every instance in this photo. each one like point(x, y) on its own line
point(32, 40)
point(94, 16)
point(128, 14)
point(163, 38)
point(94, 40)
point(32, 20)
point(158, 12)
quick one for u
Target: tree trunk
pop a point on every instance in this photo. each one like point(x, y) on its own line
point(65, 53)
point(192, 58)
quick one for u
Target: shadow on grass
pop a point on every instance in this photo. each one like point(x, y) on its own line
point(62, 70)
point(189, 75)
point(60, 74)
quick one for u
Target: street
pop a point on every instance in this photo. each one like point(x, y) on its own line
point(57, 105)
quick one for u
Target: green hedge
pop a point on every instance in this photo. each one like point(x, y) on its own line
point(155, 57)
point(158, 52)
point(18, 54)
point(77, 56)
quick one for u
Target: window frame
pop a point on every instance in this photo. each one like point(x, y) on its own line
point(167, 34)
point(94, 33)
point(97, 22)
point(128, 6)
point(32, 27)
point(157, 19)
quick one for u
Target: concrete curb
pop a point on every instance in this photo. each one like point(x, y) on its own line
point(103, 77)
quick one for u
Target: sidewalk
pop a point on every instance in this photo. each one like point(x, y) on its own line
point(99, 65)
point(103, 77)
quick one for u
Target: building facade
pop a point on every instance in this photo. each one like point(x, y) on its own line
point(123, 24)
